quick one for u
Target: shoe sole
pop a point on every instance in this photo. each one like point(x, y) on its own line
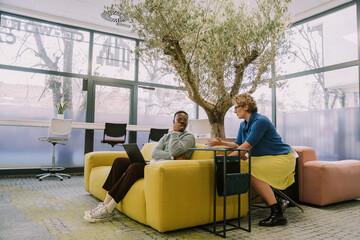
point(92, 220)
point(89, 211)
point(279, 223)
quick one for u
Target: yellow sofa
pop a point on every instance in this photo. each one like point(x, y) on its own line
point(172, 195)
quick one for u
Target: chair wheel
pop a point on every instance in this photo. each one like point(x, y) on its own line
point(40, 179)
point(60, 179)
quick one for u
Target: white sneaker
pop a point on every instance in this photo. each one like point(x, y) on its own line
point(100, 214)
point(100, 205)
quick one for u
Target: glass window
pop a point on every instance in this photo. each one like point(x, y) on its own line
point(262, 96)
point(321, 111)
point(112, 104)
point(20, 148)
point(333, 89)
point(34, 44)
point(113, 57)
point(324, 41)
point(154, 72)
point(33, 96)
point(156, 107)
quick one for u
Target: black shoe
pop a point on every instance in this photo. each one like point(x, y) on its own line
point(284, 203)
point(276, 218)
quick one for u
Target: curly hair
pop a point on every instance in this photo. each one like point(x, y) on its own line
point(245, 99)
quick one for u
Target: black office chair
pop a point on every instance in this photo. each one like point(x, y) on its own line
point(116, 132)
point(156, 134)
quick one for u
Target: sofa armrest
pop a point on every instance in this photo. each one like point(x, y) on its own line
point(306, 154)
point(173, 188)
point(96, 159)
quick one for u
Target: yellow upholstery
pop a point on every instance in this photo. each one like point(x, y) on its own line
point(147, 150)
point(95, 159)
point(172, 195)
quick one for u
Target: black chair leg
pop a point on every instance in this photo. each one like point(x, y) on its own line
point(283, 195)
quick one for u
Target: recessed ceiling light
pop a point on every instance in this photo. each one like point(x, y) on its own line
point(114, 16)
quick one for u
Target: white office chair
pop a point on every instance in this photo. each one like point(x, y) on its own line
point(201, 128)
point(59, 131)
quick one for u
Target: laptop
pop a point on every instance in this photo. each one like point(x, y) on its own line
point(134, 153)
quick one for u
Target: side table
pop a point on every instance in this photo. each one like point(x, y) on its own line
point(233, 184)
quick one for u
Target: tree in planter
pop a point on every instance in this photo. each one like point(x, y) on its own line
point(215, 48)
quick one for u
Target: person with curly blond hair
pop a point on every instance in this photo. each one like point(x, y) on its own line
point(272, 160)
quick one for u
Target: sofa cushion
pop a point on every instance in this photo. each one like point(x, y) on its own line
point(97, 178)
point(133, 204)
point(147, 149)
point(331, 182)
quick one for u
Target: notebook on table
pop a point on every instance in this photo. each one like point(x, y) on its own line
point(134, 153)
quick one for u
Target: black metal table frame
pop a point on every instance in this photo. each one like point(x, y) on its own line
point(224, 221)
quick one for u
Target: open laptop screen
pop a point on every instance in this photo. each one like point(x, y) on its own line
point(134, 153)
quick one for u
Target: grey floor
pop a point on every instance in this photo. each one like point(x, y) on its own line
point(19, 221)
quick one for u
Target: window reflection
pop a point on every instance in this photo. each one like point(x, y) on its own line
point(114, 57)
point(157, 107)
point(32, 96)
point(323, 115)
point(154, 71)
point(325, 41)
point(39, 45)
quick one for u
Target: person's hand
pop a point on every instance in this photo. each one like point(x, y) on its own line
point(181, 157)
point(179, 127)
point(217, 141)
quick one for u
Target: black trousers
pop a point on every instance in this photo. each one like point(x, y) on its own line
point(122, 176)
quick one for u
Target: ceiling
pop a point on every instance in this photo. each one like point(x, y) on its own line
point(86, 13)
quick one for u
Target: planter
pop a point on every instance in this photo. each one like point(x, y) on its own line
point(60, 116)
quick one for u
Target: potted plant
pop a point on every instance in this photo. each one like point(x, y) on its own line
point(61, 109)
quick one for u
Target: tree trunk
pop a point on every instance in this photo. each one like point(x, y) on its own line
point(216, 120)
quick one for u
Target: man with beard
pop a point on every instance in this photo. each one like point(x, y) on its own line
point(124, 173)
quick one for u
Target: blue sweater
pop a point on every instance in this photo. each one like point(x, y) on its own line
point(261, 134)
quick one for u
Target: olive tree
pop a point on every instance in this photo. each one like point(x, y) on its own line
point(215, 48)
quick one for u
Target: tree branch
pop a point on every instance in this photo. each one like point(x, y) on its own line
point(239, 72)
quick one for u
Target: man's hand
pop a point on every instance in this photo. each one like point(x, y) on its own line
point(181, 157)
point(179, 127)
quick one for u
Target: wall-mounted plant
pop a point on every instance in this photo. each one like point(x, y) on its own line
point(61, 107)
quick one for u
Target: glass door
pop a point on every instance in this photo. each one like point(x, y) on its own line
point(112, 104)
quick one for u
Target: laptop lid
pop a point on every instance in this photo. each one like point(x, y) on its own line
point(134, 153)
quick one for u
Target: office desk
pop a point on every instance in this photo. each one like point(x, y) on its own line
point(88, 127)
point(78, 125)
